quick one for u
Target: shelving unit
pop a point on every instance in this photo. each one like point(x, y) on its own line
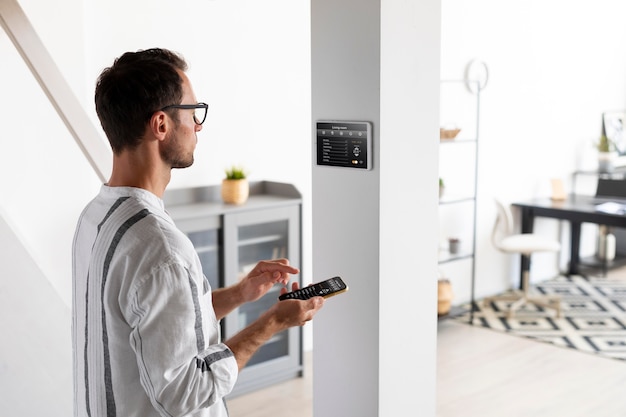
point(230, 240)
point(458, 167)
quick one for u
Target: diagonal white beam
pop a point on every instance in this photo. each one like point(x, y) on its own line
point(19, 29)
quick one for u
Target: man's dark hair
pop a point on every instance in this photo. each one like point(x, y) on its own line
point(132, 89)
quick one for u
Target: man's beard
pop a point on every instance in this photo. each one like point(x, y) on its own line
point(174, 154)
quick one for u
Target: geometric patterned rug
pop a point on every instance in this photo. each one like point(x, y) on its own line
point(593, 316)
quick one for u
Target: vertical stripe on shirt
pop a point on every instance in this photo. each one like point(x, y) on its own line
point(198, 312)
point(87, 405)
point(110, 399)
point(114, 207)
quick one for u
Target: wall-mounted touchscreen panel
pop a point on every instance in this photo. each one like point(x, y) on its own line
point(344, 144)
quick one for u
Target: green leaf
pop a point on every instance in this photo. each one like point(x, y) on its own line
point(235, 173)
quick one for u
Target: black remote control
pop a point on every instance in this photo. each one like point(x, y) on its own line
point(328, 288)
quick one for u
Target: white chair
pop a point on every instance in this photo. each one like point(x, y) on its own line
point(525, 244)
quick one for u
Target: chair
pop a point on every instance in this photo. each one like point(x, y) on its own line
point(611, 189)
point(525, 244)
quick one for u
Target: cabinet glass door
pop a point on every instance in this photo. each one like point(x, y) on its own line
point(261, 235)
point(205, 236)
point(259, 242)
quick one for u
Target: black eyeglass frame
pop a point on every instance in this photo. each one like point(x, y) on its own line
point(188, 107)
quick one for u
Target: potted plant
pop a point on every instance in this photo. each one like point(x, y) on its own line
point(442, 187)
point(235, 187)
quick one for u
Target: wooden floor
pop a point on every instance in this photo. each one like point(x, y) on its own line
point(288, 399)
point(485, 373)
point(488, 374)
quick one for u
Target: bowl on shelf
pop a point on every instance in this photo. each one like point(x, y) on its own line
point(448, 133)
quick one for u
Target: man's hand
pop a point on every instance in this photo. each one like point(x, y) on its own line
point(263, 277)
point(281, 316)
point(253, 286)
point(298, 313)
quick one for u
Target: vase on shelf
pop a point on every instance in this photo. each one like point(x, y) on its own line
point(606, 161)
point(444, 296)
point(606, 244)
point(235, 191)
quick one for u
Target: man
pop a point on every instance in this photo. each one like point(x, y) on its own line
point(146, 322)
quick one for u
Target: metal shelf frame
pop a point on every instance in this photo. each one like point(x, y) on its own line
point(475, 88)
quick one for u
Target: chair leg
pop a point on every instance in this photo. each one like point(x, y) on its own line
point(522, 297)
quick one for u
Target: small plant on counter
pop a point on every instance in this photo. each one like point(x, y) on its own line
point(235, 187)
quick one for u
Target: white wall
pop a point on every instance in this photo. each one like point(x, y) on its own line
point(554, 67)
point(35, 362)
point(43, 178)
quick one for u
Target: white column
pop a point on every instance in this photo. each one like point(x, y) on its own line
point(374, 348)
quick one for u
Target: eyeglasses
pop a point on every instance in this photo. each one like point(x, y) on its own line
point(199, 114)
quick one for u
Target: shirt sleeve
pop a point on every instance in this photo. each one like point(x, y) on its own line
point(175, 337)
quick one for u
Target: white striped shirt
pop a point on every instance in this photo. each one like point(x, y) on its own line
point(145, 337)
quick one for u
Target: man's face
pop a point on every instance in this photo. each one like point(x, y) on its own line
point(177, 150)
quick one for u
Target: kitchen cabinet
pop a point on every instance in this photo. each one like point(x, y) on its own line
point(230, 240)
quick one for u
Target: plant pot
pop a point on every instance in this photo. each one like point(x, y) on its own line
point(444, 297)
point(235, 191)
point(606, 161)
